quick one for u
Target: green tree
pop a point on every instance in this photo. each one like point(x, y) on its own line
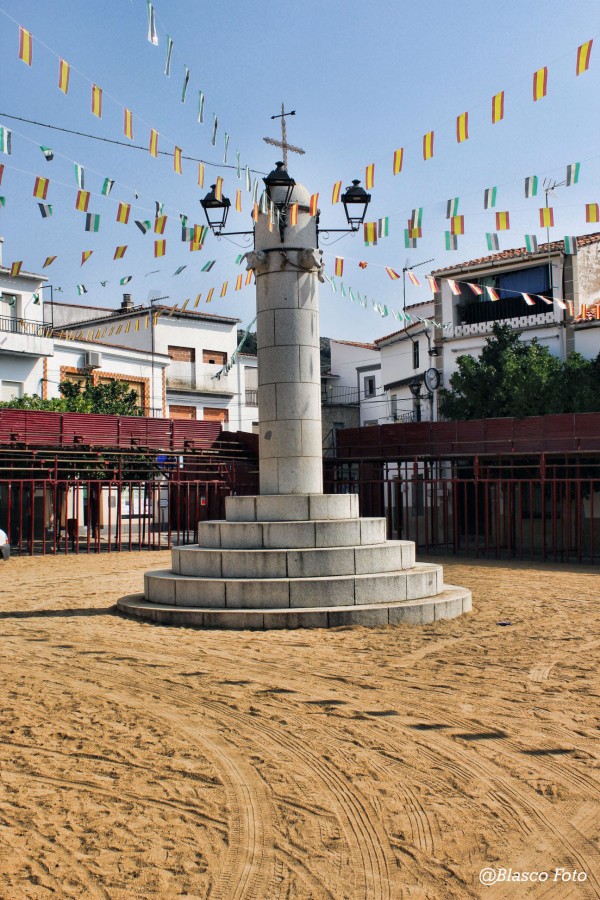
point(110, 398)
point(513, 378)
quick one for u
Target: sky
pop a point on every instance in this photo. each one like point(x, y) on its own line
point(364, 79)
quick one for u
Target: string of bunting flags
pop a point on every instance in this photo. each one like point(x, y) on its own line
point(97, 95)
point(497, 114)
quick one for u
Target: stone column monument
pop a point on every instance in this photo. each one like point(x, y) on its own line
point(293, 557)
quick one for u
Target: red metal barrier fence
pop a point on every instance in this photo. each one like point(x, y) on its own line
point(556, 519)
point(91, 516)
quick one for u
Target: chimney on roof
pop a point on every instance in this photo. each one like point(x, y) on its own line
point(127, 302)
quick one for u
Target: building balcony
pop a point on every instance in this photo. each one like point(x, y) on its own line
point(252, 397)
point(24, 336)
point(200, 379)
point(339, 395)
point(465, 329)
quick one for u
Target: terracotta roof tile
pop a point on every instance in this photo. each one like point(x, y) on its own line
point(355, 344)
point(518, 253)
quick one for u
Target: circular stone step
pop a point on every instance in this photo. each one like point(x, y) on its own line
point(291, 535)
point(291, 507)
point(305, 563)
point(450, 602)
point(423, 580)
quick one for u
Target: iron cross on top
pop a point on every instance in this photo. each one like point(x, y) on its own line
point(283, 142)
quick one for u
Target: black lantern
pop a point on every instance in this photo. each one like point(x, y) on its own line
point(356, 201)
point(279, 178)
point(414, 386)
point(216, 210)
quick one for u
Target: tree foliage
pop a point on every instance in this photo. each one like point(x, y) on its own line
point(513, 378)
point(109, 398)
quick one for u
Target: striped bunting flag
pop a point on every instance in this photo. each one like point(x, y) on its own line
point(177, 160)
point(5, 140)
point(416, 219)
point(592, 212)
point(15, 268)
point(79, 176)
point(433, 284)
point(213, 138)
point(413, 278)
point(531, 186)
point(186, 79)
point(179, 270)
point(128, 124)
point(492, 294)
point(493, 242)
point(107, 186)
point(160, 224)
point(126, 279)
point(40, 188)
point(451, 241)
point(120, 251)
point(48, 153)
point(453, 287)
point(502, 221)
point(238, 282)
point(370, 176)
point(81, 289)
point(208, 265)
point(583, 57)
point(200, 107)
point(528, 299)
point(457, 225)
point(383, 227)
point(489, 198)
point(200, 174)
point(85, 256)
point(573, 174)
point(144, 226)
point(49, 261)
point(187, 234)
point(314, 205)
point(238, 200)
point(219, 188)
point(153, 146)
point(248, 279)
point(160, 247)
point(546, 217)
point(82, 201)
point(92, 222)
point(209, 296)
point(428, 145)
point(531, 243)
point(570, 245)
point(410, 242)
point(169, 54)
point(336, 192)
point(452, 208)
point(123, 211)
point(45, 210)
point(224, 288)
point(497, 107)
point(475, 288)
point(96, 101)
point(64, 73)
point(338, 267)
point(462, 127)
point(25, 45)
point(393, 275)
point(540, 83)
point(397, 160)
point(370, 233)
point(152, 35)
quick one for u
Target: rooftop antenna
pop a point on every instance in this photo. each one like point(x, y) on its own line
point(550, 185)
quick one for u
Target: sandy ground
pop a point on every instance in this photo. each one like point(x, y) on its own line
point(139, 761)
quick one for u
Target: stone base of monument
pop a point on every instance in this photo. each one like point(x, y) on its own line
point(295, 561)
